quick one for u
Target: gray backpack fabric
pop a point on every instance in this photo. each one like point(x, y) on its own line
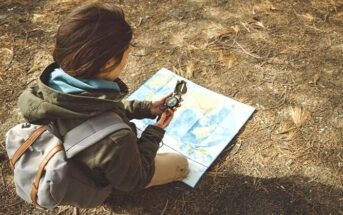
point(60, 181)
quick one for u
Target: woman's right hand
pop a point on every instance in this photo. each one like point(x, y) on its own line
point(165, 119)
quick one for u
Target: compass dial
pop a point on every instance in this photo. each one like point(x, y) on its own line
point(172, 102)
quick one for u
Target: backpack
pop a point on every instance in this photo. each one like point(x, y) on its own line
point(45, 174)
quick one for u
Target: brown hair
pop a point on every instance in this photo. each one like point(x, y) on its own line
point(89, 37)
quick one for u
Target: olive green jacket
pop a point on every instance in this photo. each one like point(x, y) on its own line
point(122, 160)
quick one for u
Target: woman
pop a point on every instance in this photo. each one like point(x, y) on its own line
point(92, 47)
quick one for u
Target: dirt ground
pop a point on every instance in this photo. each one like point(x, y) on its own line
point(283, 57)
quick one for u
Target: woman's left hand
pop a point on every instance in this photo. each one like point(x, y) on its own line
point(156, 107)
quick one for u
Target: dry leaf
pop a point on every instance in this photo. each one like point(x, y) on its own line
point(260, 24)
point(289, 136)
point(191, 47)
point(189, 69)
point(272, 8)
point(292, 49)
point(276, 60)
point(308, 17)
point(316, 78)
point(225, 34)
point(286, 127)
point(38, 18)
point(287, 131)
point(5, 56)
point(178, 71)
point(246, 26)
point(236, 28)
point(299, 115)
point(229, 60)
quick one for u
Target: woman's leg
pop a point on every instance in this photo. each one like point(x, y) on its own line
point(169, 167)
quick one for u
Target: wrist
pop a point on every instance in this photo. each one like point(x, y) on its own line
point(154, 109)
point(159, 125)
point(151, 108)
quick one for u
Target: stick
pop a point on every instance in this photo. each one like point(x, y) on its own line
point(61, 211)
point(246, 52)
point(76, 211)
point(11, 60)
point(165, 208)
point(3, 177)
point(287, 130)
point(140, 21)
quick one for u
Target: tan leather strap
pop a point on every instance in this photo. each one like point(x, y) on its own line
point(35, 184)
point(28, 142)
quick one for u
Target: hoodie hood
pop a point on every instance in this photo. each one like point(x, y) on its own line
point(41, 104)
point(63, 82)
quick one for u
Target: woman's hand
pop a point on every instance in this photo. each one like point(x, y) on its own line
point(165, 119)
point(156, 107)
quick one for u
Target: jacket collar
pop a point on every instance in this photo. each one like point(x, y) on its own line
point(100, 100)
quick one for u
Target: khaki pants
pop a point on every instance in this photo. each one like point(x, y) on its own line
point(169, 167)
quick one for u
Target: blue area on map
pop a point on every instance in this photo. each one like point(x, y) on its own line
point(195, 147)
point(181, 124)
point(211, 122)
point(195, 154)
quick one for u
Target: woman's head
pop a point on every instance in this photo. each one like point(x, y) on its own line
point(91, 39)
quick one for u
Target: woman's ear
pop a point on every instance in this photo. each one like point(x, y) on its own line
point(109, 63)
point(112, 68)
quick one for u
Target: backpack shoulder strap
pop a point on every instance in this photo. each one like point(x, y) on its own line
point(92, 131)
point(39, 173)
point(28, 142)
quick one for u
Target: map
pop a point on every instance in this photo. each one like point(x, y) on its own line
point(201, 128)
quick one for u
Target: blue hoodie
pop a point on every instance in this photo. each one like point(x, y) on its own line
point(63, 82)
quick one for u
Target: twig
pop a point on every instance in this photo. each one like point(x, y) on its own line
point(287, 130)
point(276, 106)
point(10, 63)
point(165, 208)
point(246, 52)
point(4, 22)
point(29, 82)
point(235, 93)
point(3, 177)
point(76, 211)
point(238, 146)
point(140, 21)
point(15, 203)
point(282, 102)
point(141, 55)
point(61, 211)
point(27, 33)
point(244, 25)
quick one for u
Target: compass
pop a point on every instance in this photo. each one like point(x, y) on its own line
point(175, 99)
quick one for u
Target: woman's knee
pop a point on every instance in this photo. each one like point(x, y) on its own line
point(182, 166)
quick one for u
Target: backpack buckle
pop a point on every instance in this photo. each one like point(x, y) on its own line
point(26, 125)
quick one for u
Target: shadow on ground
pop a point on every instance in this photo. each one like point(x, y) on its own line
point(236, 194)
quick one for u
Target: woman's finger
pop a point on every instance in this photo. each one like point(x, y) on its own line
point(169, 116)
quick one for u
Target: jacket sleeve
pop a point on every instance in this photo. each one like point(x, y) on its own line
point(131, 162)
point(137, 109)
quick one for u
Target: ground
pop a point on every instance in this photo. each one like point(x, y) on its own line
point(282, 57)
